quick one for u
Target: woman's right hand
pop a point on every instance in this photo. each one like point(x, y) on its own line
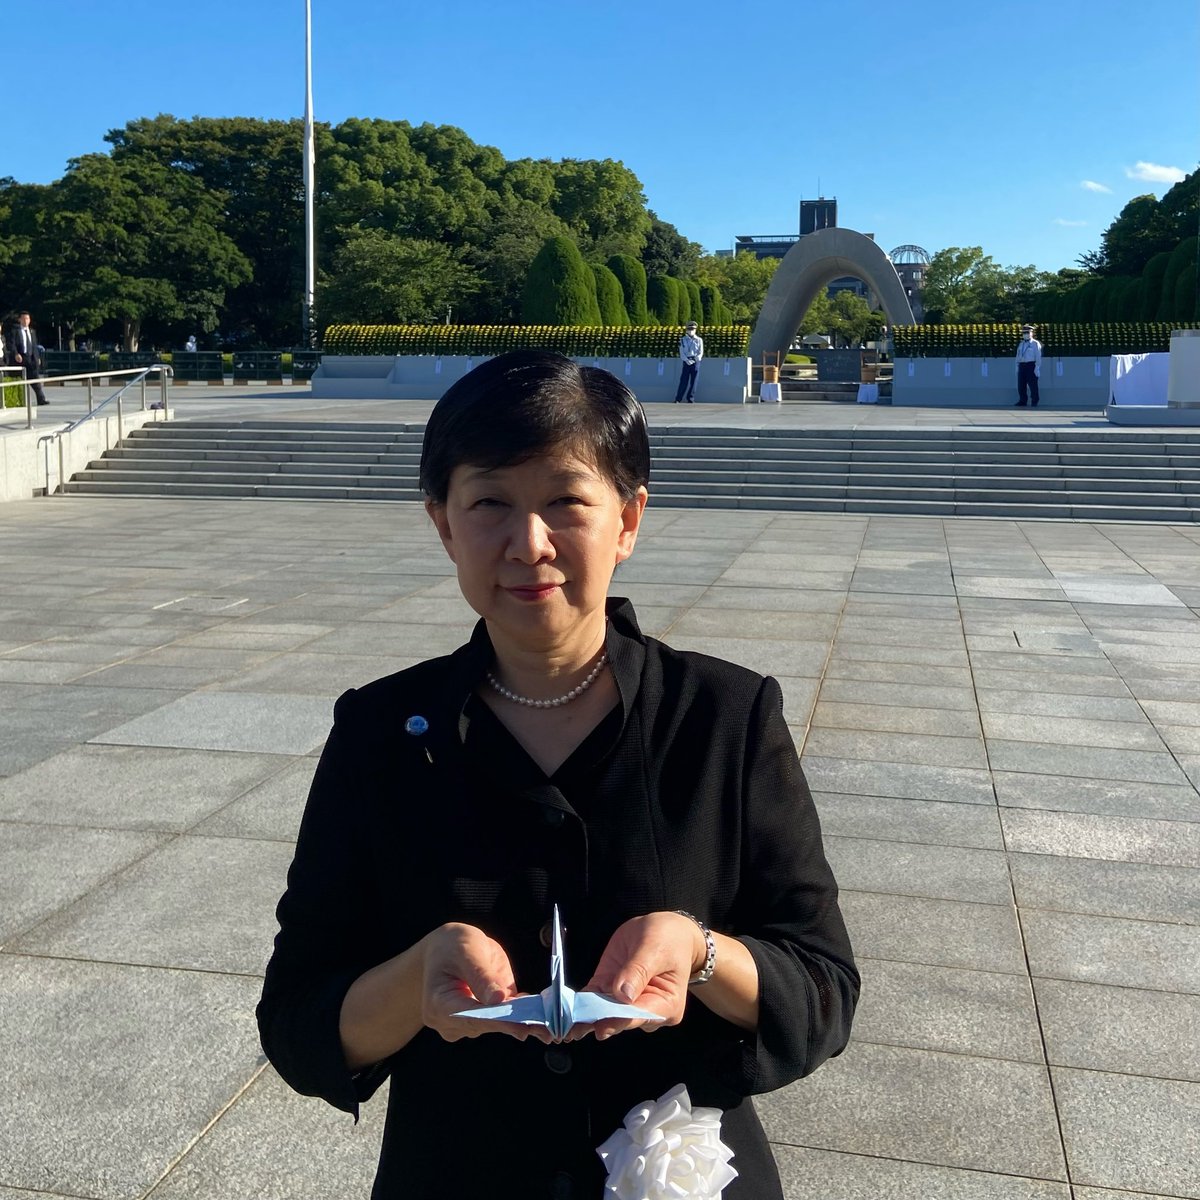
point(464, 968)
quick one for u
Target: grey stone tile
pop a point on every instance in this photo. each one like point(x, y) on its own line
point(1044, 683)
point(765, 655)
point(809, 1174)
point(131, 787)
point(899, 673)
point(202, 903)
point(265, 724)
point(773, 599)
point(1141, 954)
point(1110, 797)
point(912, 781)
point(937, 1008)
point(1111, 889)
point(13, 670)
point(1054, 704)
point(928, 821)
point(17, 756)
point(1124, 1131)
point(1084, 835)
point(912, 695)
point(275, 1145)
point(1086, 1193)
point(366, 638)
point(893, 718)
point(932, 656)
point(260, 635)
point(135, 675)
point(923, 1106)
point(755, 623)
point(1087, 762)
point(777, 577)
point(272, 810)
point(142, 1060)
point(1054, 666)
point(1091, 589)
point(327, 675)
point(925, 749)
point(1022, 587)
point(799, 697)
point(43, 868)
point(1125, 1030)
point(910, 869)
point(1181, 740)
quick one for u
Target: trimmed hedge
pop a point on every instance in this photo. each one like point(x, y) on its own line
point(609, 296)
point(560, 288)
point(13, 395)
point(631, 275)
point(577, 341)
point(1064, 340)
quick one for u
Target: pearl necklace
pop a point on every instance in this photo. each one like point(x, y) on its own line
point(573, 694)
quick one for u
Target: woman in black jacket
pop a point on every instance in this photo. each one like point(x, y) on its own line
point(559, 758)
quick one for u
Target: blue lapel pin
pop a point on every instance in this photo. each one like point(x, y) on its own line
point(417, 726)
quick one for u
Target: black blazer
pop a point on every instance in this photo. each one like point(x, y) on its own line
point(695, 802)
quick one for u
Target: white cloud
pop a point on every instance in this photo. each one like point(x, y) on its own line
point(1155, 173)
point(1091, 185)
point(1069, 224)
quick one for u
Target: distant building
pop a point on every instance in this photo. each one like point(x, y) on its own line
point(814, 215)
point(911, 263)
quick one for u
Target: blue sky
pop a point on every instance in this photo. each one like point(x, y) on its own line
point(1022, 129)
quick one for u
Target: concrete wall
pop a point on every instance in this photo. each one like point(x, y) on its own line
point(426, 377)
point(23, 462)
point(1076, 383)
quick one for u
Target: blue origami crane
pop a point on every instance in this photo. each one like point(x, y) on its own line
point(558, 1007)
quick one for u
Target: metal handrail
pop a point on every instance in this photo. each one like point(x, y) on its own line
point(165, 372)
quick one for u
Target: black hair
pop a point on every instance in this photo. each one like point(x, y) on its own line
point(518, 405)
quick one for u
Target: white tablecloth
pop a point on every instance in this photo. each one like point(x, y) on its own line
point(770, 393)
point(1138, 380)
point(868, 393)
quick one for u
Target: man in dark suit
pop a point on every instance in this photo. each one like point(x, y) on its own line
point(25, 354)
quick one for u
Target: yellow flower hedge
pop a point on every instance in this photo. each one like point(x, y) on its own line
point(1064, 339)
point(576, 341)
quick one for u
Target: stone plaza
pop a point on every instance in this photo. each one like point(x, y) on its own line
point(1000, 721)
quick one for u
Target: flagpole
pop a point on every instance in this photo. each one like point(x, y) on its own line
point(309, 172)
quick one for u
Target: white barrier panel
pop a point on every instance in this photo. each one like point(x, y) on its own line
point(426, 377)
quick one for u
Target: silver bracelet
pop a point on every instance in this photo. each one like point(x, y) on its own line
point(710, 945)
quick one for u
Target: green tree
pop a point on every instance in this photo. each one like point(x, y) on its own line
point(958, 282)
point(376, 278)
point(632, 277)
point(133, 240)
point(255, 168)
point(603, 205)
point(819, 316)
point(609, 296)
point(560, 289)
point(668, 252)
point(683, 300)
point(710, 304)
point(743, 281)
point(695, 301)
point(851, 319)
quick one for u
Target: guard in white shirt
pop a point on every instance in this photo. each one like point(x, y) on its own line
point(1029, 366)
point(691, 351)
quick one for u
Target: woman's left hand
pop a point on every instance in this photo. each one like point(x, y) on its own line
point(648, 963)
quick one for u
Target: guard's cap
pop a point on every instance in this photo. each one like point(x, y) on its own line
point(1029, 327)
point(690, 325)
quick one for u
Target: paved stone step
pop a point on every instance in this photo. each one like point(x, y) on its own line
point(1098, 455)
point(186, 454)
point(731, 474)
point(733, 490)
point(332, 431)
point(1079, 512)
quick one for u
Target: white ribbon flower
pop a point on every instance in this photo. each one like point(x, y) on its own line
point(666, 1149)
